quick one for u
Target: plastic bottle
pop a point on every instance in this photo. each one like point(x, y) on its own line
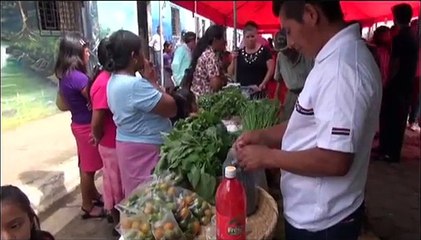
point(231, 208)
point(248, 179)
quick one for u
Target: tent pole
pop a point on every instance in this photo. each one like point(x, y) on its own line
point(161, 55)
point(196, 30)
point(234, 45)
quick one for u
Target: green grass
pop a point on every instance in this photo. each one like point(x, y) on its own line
point(25, 96)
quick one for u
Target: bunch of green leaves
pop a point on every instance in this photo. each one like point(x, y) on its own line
point(260, 114)
point(224, 104)
point(195, 149)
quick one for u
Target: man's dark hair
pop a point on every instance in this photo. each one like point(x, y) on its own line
point(295, 9)
point(402, 13)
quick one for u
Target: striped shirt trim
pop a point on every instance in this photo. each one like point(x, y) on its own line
point(302, 110)
point(341, 131)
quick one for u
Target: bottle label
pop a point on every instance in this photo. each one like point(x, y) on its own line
point(230, 228)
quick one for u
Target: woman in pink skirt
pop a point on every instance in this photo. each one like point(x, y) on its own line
point(70, 69)
point(141, 109)
point(104, 133)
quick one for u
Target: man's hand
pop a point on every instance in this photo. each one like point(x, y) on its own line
point(253, 157)
point(248, 138)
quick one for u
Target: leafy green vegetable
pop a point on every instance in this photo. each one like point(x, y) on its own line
point(259, 114)
point(195, 149)
point(224, 104)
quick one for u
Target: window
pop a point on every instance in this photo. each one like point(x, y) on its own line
point(56, 17)
point(175, 21)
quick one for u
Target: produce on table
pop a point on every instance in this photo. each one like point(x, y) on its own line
point(135, 228)
point(166, 207)
point(195, 149)
point(224, 104)
point(201, 209)
point(166, 228)
point(259, 114)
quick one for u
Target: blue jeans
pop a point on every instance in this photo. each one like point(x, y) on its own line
point(347, 229)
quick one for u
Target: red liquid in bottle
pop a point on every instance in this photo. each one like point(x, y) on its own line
point(231, 208)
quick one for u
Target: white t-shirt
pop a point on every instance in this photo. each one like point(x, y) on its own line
point(337, 110)
point(155, 42)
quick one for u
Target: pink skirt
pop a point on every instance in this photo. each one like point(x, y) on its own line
point(136, 161)
point(89, 159)
point(112, 189)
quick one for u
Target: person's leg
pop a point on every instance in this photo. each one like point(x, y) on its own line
point(413, 113)
point(136, 161)
point(399, 128)
point(89, 162)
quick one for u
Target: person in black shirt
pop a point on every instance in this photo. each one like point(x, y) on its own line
point(397, 93)
point(254, 61)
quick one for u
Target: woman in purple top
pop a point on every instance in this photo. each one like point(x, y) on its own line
point(70, 69)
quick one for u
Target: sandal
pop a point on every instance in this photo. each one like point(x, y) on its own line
point(92, 213)
point(99, 202)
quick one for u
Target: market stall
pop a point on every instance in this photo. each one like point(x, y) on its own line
point(178, 201)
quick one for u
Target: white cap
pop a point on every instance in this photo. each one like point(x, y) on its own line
point(230, 172)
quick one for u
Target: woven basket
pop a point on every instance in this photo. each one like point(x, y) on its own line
point(261, 225)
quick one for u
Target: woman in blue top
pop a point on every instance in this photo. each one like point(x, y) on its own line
point(141, 109)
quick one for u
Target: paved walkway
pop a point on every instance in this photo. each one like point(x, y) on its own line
point(39, 157)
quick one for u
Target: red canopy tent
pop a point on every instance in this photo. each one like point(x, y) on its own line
point(221, 12)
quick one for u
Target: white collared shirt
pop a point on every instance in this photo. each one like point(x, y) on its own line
point(337, 110)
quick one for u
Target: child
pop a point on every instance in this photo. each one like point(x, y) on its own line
point(184, 98)
point(18, 219)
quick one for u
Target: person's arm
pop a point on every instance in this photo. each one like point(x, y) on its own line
point(231, 68)
point(270, 68)
point(149, 99)
point(99, 108)
point(97, 124)
point(216, 80)
point(61, 102)
point(315, 162)
point(272, 137)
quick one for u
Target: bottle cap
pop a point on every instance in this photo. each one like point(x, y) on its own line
point(230, 172)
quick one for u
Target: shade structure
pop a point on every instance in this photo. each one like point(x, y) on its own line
point(221, 12)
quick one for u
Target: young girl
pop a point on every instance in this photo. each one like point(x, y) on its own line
point(18, 219)
point(141, 109)
point(70, 69)
point(104, 133)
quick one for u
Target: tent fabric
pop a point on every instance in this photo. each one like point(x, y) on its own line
point(221, 12)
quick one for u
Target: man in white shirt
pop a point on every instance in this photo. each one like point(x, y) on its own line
point(325, 146)
point(156, 45)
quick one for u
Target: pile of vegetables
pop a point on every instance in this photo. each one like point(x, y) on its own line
point(223, 104)
point(195, 150)
point(259, 114)
point(159, 210)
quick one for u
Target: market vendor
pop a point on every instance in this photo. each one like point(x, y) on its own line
point(292, 68)
point(323, 151)
point(208, 76)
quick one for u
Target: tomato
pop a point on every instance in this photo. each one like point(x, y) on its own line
point(159, 233)
point(126, 223)
point(145, 228)
point(168, 226)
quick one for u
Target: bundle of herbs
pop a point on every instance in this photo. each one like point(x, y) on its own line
point(195, 149)
point(224, 104)
point(259, 114)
